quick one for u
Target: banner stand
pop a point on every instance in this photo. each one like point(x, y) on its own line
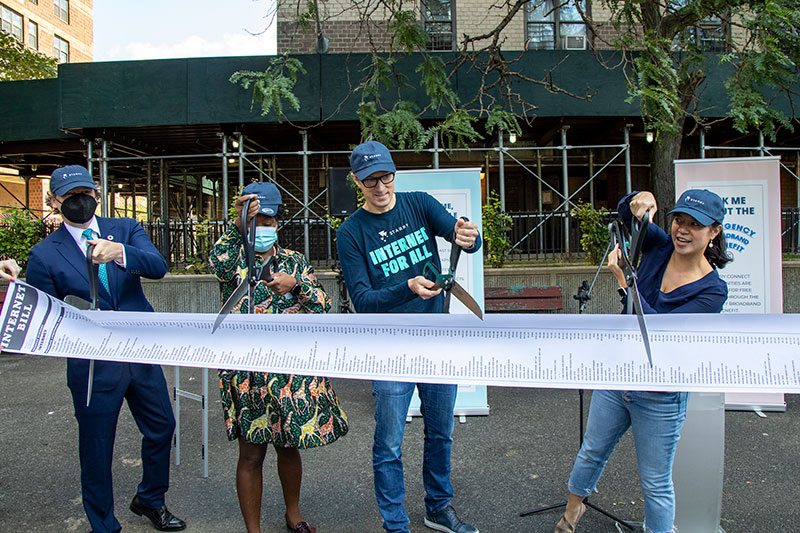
point(750, 192)
point(459, 190)
point(699, 464)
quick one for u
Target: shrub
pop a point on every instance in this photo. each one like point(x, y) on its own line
point(595, 235)
point(496, 225)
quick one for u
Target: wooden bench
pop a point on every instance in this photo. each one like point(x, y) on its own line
point(522, 299)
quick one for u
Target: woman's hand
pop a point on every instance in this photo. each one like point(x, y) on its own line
point(643, 202)
point(252, 209)
point(9, 269)
point(614, 259)
point(281, 283)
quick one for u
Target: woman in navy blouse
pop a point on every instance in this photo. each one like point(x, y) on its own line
point(678, 274)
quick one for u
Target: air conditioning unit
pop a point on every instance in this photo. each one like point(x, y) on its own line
point(574, 42)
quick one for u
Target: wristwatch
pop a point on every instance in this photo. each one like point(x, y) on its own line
point(622, 291)
point(296, 290)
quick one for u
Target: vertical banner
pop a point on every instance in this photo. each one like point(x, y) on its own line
point(750, 191)
point(459, 190)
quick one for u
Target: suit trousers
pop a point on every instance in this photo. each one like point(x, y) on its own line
point(145, 389)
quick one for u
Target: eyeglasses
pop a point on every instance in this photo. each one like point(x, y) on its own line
point(386, 179)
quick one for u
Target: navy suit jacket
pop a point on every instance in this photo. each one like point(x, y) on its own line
point(58, 267)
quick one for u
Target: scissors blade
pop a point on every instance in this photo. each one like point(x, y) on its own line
point(637, 304)
point(77, 302)
point(232, 300)
point(466, 298)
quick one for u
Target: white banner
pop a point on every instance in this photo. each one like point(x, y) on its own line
point(750, 191)
point(690, 352)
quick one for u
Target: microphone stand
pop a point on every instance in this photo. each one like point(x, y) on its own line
point(583, 297)
point(344, 300)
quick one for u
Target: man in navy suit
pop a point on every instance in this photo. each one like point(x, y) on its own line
point(124, 253)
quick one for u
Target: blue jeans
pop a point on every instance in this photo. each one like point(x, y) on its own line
point(656, 419)
point(391, 408)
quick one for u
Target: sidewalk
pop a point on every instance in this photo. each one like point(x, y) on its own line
point(516, 459)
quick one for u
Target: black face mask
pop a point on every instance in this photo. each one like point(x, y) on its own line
point(78, 208)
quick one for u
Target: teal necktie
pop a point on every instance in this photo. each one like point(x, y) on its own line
point(101, 270)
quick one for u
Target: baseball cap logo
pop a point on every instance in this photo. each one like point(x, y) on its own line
point(696, 200)
point(369, 157)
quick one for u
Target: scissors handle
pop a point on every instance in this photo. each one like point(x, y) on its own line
point(639, 230)
point(92, 272)
point(269, 268)
point(94, 297)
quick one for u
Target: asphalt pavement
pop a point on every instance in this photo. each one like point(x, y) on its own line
point(517, 458)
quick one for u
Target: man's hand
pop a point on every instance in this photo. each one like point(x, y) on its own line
point(423, 287)
point(252, 209)
point(281, 283)
point(106, 251)
point(466, 233)
point(9, 269)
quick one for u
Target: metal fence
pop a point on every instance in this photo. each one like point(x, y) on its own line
point(790, 230)
point(540, 236)
point(186, 243)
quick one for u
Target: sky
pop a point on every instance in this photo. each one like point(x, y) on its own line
point(158, 29)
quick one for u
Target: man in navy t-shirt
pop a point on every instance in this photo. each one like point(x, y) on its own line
point(383, 248)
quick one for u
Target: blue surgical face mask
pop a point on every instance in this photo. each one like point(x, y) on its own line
point(266, 236)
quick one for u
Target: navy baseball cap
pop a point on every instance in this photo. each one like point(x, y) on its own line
point(370, 157)
point(702, 205)
point(65, 179)
point(268, 196)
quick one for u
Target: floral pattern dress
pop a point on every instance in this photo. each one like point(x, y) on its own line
point(290, 411)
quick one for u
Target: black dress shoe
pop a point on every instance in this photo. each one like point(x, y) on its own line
point(161, 518)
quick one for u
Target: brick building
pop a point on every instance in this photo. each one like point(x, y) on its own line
point(56, 28)
point(540, 25)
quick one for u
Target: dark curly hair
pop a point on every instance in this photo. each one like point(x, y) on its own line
point(718, 254)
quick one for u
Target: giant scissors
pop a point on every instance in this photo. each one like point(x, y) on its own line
point(255, 273)
point(448, 283)
point(630, 247)
point(92, 305)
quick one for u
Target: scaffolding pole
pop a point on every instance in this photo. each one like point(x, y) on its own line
point(565, 186)
point(306, 237)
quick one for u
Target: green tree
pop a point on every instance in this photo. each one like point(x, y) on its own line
point(20, 63)
point(384, 113)
point(665, 45)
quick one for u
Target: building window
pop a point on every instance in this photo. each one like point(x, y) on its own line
point(33, 35)
point(35, 2)
point(556, 25)
point(437, 19)
point(60, 49)
point(708, 34)
point(61, 9)
point(11, 22)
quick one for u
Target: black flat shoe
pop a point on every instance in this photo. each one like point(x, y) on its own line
point(161, 518)
point(300, 527)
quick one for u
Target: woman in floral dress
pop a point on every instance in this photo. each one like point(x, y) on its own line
point(288, 411)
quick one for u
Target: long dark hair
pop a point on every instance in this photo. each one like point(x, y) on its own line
point(717, 254)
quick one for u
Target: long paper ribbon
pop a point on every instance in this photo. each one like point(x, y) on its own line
point(690, 352)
